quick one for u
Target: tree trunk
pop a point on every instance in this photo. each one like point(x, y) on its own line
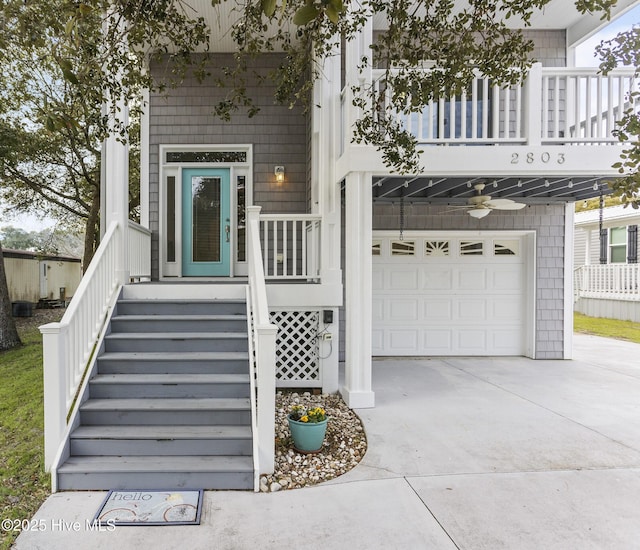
point(8, 334)
point(92, 230)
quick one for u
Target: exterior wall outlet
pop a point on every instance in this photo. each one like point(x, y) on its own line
point(327, 336)
point(327, 316)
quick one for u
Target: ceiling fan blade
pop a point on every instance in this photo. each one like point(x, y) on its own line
point(505, 204)
point(454, 208)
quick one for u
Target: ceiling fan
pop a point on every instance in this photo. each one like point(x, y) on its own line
point(480, 205)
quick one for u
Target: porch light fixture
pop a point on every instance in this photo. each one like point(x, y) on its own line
point(279, 172)
point(479, 212)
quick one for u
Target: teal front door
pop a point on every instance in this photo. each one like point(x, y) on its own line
point(206, 225)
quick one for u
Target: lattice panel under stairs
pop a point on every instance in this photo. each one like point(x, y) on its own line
point(297, 357)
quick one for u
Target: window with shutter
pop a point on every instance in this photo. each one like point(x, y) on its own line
point(632, 244)
point(618, 245)
point(603, 245)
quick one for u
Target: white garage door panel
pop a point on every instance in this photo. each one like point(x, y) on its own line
point(450, 303)
point(437, 341)
point(403, 341)
point(403, 310)
point(438, 310)
point(506, 342)
point(507, 279)
point(402, 279)
point(437, 279)
point(377, 282)
point(471, 310)
point(511, 310)
point(472, 279)
point(377, 310)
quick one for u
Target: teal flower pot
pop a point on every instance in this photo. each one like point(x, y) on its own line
point(307, 436)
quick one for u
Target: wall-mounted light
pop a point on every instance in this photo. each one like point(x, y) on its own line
point(279, 172)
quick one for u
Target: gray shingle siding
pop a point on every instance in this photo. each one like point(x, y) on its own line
point(279, 136)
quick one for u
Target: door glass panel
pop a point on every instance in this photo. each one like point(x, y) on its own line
point(171, 219)
point(205, 204)
point(241, 214)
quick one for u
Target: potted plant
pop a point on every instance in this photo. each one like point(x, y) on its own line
point(308, 427)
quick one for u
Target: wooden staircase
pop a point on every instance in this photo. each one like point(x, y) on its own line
point(169, 405)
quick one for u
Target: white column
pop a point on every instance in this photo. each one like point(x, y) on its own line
point(114, 184)
point(569, 212)
point(357, 390)
point(144, 161)
point(115, 192)
point(533, 105)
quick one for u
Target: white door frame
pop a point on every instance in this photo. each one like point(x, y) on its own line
point(237, 169)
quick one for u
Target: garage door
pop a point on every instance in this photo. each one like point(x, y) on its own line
point(446, 294)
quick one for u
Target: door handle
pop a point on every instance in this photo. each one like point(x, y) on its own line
point(227, 230)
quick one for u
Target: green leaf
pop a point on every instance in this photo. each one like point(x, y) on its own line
point(332, 14)
point(70, 76)
point(305, 15)
point(68, 28)
point(269, 7)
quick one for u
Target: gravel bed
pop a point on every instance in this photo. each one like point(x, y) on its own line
point(344, 444)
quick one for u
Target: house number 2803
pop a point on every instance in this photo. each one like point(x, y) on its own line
point(531, 158)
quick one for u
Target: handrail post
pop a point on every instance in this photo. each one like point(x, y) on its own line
point(54, 344)
point(533, 106)
point(266, 347)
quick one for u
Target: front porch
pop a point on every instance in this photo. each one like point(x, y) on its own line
point(291, 322)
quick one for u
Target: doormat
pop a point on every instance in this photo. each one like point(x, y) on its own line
point(151, 508)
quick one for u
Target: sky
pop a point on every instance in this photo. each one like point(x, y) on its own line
point(584, 58)
point(585, 51)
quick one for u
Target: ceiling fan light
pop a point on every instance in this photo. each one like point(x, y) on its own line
point(479, 212)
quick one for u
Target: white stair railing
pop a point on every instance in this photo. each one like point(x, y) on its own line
point(263, 351)
point(139, 252)
point(68, 345)
point(291, 246)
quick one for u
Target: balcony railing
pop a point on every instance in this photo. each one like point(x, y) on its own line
point(552, 106)
point(608, 281)
point(290, 246)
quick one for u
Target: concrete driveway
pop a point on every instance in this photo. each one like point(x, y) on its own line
point(463, 453)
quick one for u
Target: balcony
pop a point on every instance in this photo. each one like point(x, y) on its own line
point(529, 126)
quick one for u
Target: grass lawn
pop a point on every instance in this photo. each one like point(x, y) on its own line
point(610, 328)
point(24, 485)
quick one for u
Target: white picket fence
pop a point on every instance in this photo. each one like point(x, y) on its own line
point(608, 282)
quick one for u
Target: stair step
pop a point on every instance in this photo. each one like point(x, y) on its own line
point(166, 411)
point(162, 432)
point(154, 471)
point(177, 341)
point(181, 307)
point(166, 362)
point(161, 440)
point(169, 385)
point(179, 323)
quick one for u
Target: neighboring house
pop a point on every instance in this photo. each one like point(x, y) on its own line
point(32, 276)
point(330, 253)
point(607, 272)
